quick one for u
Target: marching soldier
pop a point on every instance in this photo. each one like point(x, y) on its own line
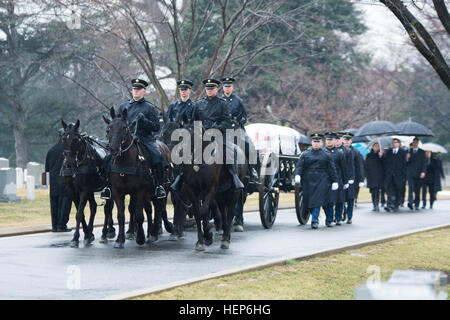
point(355, 161)
point(183, 106)
point(143, 116)
point(213, 112)
point(350, 174)
point(316, 172)
point(338, 196)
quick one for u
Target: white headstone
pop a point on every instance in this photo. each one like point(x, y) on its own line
point(8, 185)
point(4, 163)
point(25, 175)
point(19, 178)
point(35, 169)
point(30, 188)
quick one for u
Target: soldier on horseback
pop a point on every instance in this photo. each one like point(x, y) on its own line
point(143, 119)
point(213, 112)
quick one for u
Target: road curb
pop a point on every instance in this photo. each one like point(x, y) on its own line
point(270, 263)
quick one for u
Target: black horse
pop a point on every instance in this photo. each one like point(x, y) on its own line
point(82, 171)
point(208, 184)
point(130, 175)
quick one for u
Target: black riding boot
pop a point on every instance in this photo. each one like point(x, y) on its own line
point(176, 185)
point(158, 174)
point(236, 182)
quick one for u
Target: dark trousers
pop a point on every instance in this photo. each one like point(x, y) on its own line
point(376, 193)
point(383, 196)
point(338, 209)
point(430, 188)
point(414, 191)
point(60, 211)
point(394, 192)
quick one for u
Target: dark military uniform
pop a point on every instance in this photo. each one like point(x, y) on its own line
point(338, 157)
point(318, 172)
point(148, 124)
point(180, 109)
point(60, 203)
point(236, 109)
point(213, 112)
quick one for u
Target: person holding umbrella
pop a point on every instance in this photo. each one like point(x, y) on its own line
point(373, 166)
point(432, 180)
point(415, 172)
point(395, 169)
point(316, 172)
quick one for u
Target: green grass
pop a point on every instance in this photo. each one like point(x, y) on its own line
point(330, 277)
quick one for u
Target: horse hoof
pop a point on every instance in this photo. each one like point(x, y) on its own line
point(140, 240)
point(208, 242)
point(169, 227)
point(173, 237)
point(199, 247)
point(129, 236)
point(74, 244)
point(225, 245)
point(89, 240)
point(111, 234)
point(118, 245)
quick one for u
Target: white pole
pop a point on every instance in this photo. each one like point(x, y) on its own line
point(30, 188)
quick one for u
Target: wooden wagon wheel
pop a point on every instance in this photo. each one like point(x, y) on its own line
point(269, 191)
point(302, 212)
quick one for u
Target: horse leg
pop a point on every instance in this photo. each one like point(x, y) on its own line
point(111, 230)
point(229, 207)
point(139, 218)
point(79, 219)
point(89, 236)
point(179, 216)
point(108, 214)
point(120, 203)
point(167, 224)
point(157, 221)
point(149, 212)
point(131, 232)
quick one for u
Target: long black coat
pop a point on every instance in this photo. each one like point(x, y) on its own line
point(149, 125)
point(180, 108)
point(373, 166)
point(53, 163)
point(354, 164)
point(213, 113)
point(236, 108)
point(318, 172)
point(395, 167)
point(434, 173)
point(416, 164)
point(338, 196)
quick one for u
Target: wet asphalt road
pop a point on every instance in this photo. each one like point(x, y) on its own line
point(44, 266)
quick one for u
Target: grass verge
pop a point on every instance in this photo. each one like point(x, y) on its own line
point(330, 277)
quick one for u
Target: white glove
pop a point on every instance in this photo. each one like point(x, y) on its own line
point(334, 186)
point(346, 186)
point(361, 184)
point(297, 179)
point(351, 181)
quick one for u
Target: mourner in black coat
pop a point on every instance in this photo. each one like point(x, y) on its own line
point(415, 172)
point(349, 173)
point(373, 166)
point(60, 202)
point(432, 182)
point(395, 169)
point(316, 172)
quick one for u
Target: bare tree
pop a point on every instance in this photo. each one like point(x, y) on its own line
point(421, 37)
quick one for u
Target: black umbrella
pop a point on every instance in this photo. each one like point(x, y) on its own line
point(375, 128)
point(384, 142)
point(409, 128)
point(357, 139)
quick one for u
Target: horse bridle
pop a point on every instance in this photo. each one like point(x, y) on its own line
point(86, 151)
point(124, 138)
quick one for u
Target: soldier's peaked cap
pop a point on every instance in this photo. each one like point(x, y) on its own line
point(184, 84)
point(228, 81)
point(139, 83)
point(316, 136)
point(211, 83)
point(330, 134)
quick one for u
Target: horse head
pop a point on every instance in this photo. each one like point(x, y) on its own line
point(72, 142)
point(117, 132)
